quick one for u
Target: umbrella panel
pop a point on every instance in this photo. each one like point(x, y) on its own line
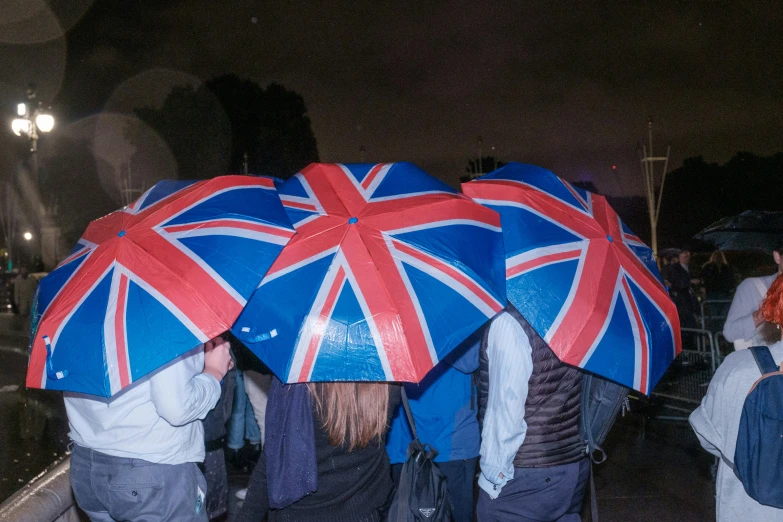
point(374, 290)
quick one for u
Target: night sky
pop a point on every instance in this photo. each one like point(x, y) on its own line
point(565, 85)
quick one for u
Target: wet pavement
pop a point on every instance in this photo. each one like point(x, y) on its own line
point(655, 472)
point(33, 430)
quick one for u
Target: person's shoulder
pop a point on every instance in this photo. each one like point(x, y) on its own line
point(748, 282)
point(739, 370)
point(738, 359)
point(505, 322)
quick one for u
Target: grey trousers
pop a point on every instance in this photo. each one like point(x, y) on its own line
point(551, 494)
point(111, 489)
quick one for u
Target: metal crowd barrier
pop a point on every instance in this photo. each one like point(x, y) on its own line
point(713, 314)
point(47, 498)
point(685, 383)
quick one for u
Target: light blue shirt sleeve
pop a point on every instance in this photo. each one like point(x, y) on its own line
point(181, 393)
point(510, 367)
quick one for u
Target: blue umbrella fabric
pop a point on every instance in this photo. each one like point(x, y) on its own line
point(151, 281)
point(389, 271)
point(581, 278)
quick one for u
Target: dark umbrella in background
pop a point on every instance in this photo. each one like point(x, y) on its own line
point(751, 230)
point(669, 252)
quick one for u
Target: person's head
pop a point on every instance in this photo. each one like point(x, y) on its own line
point(718, 258)
point(24, 271)
point(685, 257)
point(777, 255)
point(353, 413)
point(772, 310)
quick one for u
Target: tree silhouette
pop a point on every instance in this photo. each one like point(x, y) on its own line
point(699, 193)
point(210, 129)
point(71, 184)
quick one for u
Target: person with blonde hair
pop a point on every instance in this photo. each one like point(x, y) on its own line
point(353, 475)
point(719, 282)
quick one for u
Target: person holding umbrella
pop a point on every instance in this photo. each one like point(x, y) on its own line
point(533, 461)
point(124, 323)
point(353, 474)
point(390, 271)
point(134, 456)
point(586, 294)
point(444, 411)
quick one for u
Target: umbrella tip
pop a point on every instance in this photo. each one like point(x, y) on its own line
point(611, 240)
point(353, 221)
point(121, 233)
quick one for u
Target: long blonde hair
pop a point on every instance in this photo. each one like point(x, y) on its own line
point(718, 258)
point(353, 413)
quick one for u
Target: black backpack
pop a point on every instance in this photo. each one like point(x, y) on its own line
point(422, 495)
point(602, 401)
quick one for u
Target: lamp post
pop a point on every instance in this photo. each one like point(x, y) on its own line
point(32, 119)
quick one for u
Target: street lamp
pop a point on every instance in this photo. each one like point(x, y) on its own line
point(27, 236)
point(32, 118)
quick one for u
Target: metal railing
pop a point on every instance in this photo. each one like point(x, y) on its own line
point(685, 383)
point(713, 314)
point(47, 498)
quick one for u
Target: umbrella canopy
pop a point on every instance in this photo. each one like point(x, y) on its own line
point(389, 271)
point(751, 230)
point(669, 252)
point(149, 282)
point(582, 279)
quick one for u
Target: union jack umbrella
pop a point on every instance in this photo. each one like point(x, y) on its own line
point(582, 279)
point(153, 280)
point(389, 271)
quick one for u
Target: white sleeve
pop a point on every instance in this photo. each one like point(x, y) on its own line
point(510, 367)
point(739, 322)
point(706, 419)
point(181, 393)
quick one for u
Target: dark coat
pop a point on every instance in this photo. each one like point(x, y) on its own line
point(682, 295)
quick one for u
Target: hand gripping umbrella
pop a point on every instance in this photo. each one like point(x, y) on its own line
point(150, 282)
point(580, 277)
point(389, 271)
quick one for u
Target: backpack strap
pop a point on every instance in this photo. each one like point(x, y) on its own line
point(408, 412)
point(764, 359)
point(760, 287)
point(587, 422)
point(592, 447)
point(593, 498)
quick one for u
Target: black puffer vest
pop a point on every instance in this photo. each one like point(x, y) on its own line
point(552, 407)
